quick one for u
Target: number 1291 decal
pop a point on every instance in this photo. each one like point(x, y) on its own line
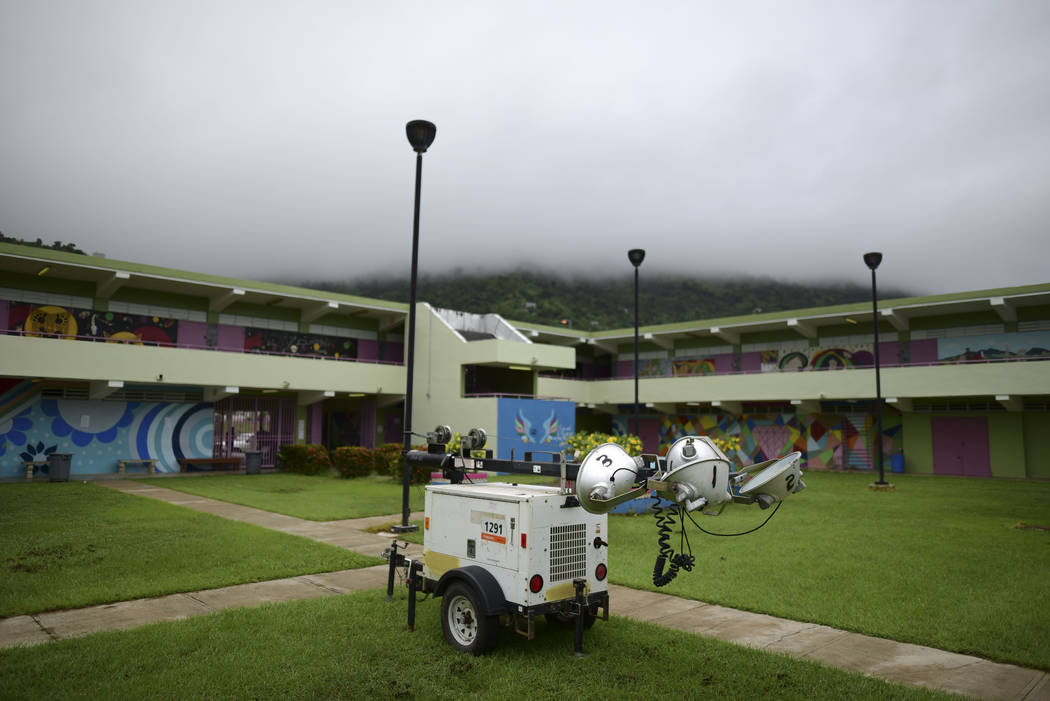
point(493, 531)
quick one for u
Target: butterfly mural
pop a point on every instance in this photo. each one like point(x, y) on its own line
point(528, 434)
point(534, 424)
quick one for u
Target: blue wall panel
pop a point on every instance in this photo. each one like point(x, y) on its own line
point(533, 424)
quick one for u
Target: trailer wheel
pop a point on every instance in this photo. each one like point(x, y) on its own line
point(466, 628)
point(565, 621)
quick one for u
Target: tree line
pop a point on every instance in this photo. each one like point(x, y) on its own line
point(596, 304)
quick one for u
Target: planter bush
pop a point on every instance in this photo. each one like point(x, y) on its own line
point(353, 461)
point(582, 443)
point(304, 459)
point(388, 459)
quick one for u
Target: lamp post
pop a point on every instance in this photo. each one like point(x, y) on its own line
point(636, 256)
point(420, 134)
point(872, 260)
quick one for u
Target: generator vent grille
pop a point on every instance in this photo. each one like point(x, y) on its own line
point(568, 552)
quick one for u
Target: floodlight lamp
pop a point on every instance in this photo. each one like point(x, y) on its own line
point(421, 134)
point(872, 259)
point(636, 256)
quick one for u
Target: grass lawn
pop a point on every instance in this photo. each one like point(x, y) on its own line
point(69, 544)
point(357, 647)
point(939, 561)
point(312, 497)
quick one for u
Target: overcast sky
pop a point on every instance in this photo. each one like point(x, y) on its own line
point(265, 139)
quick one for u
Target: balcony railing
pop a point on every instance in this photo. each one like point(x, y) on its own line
point(190, 346)
point(840, 368)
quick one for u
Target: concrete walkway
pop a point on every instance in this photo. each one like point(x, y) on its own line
point(914, 665)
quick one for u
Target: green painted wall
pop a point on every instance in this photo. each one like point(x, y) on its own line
point(44, 283)
point(950, 321)
point(1037, 444)
point(1006, 444)
point(166, 299)
point(918, 444)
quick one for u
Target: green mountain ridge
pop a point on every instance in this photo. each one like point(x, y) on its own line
point(599, 304)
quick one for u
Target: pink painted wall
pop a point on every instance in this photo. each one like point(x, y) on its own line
point(367, 350)
point(368, 423)
point(192, 334)
point(751, 362)
point(723, 363)
point(889, 353)
point(394, 352)
point(924, 351)
point(960, 446)
point(231, 338)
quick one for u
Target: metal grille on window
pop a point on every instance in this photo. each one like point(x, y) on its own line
point(568, 552)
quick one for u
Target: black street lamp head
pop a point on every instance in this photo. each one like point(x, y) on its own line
point(872, 259)
point(636, 256)
point(421, 134)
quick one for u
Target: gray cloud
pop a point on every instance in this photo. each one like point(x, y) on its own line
point(771, 138)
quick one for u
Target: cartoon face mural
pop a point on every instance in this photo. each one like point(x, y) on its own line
point(533, 425)
point(50, 322)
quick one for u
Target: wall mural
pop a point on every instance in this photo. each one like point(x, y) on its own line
point(676, 367)
point(997, 346)
point(533, 424)
point(291, 343)
point(818, 358)
point(99, 433)
point(49, 321)
point(826, 441)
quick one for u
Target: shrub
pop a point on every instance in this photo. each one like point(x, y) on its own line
point(353, 461)
point(582, 443)
point(307, 459)
point(388, 460)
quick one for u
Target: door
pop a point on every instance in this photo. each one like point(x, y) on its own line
point(960, 446)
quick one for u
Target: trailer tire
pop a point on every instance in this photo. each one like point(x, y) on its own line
point(465, 625)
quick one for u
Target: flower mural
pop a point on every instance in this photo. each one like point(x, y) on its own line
point(101, 423)
point(13, 430)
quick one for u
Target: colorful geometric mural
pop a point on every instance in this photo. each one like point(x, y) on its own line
point(99, 433)
point(826, 441)
point(533, 425)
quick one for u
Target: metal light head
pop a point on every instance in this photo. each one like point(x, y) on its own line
point(698, 472)
point(636, 256)
point(777, 481)
point(872, 259)
point(607, 478)
point(421, 134)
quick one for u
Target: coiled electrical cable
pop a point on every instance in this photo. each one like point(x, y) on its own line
point(678, 561)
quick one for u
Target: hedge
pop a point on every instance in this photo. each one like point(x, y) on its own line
point(304, 459)
point(353, 461)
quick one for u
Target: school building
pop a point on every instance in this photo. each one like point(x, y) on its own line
point(114, 362)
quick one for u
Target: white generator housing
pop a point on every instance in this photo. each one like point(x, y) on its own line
point(516, 532)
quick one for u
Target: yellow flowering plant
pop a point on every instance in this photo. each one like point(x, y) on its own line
point(582, 443)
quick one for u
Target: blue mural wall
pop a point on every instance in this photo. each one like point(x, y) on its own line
point(533, 424)
point(999, 346)
point(99, 433)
